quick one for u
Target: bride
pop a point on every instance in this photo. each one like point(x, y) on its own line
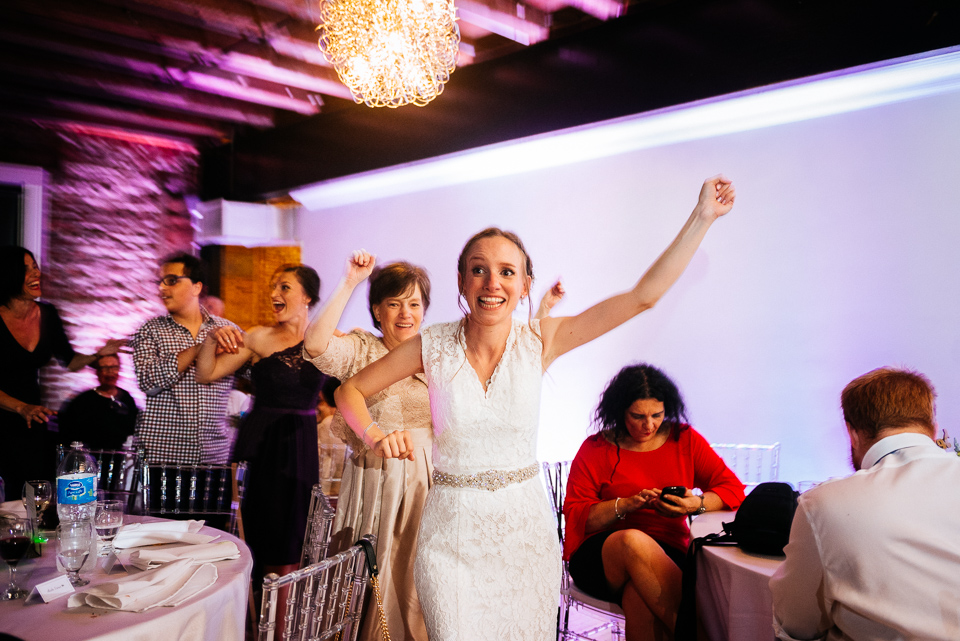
point(488, 565)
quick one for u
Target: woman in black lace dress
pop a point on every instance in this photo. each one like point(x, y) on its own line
point(279, 437)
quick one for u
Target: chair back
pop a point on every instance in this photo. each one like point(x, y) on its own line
point(171, 489)
point(753, 464)
point(324, 601)
point(316, 539)
point(555, 478)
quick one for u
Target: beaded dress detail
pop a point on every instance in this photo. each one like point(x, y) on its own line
point(489, 561)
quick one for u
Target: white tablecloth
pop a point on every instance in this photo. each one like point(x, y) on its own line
point(733, 593)
point(217, 614)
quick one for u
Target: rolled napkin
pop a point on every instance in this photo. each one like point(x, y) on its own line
point(205, 553)
point(140, 534)
point(168, 585)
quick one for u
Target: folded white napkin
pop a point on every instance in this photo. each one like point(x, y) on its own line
point(139, 534)
point(168, 585)
point(205, 553)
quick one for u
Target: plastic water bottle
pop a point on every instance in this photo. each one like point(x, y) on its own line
point(77, 478)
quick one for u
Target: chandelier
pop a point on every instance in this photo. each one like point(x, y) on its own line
point(391, 53)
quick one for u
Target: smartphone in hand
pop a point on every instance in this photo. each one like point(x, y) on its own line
point(673, 490)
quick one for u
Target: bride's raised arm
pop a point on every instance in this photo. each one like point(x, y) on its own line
point(560, 335)
point(401, 362)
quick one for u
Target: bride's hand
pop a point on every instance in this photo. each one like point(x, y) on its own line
point(396, 444)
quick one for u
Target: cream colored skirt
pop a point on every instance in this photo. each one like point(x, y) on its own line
point(386, 498)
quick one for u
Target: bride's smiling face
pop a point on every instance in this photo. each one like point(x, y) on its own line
point(494, 279)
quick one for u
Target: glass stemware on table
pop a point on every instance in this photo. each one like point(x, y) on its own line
point(42, 494)
point(107, 520)
point(16, 535)
point(73, 546)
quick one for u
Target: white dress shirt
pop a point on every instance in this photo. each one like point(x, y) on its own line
point(876, 556)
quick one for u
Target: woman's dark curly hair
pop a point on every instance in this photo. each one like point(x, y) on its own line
point(633, 383)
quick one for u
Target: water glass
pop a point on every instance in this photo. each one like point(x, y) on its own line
point(42, 493)
point(73, 546)
point(107, 520)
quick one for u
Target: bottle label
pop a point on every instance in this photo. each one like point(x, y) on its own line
point(76, 489)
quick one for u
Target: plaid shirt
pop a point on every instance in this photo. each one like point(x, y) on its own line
point(184, 421)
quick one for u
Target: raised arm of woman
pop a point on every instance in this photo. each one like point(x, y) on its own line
point(401, 362)
point(560, 335)
point(358, 269)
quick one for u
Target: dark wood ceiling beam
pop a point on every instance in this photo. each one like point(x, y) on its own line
point(526, 25)
point(282, 72)
point(237, 19)
point(70, 77)
point(152, 67)
point(168, 37)
point(27, 104)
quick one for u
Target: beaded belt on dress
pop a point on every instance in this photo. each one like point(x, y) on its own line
point(491, 480)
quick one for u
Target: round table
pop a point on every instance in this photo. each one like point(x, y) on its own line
point(216, 614)
point(733, 591)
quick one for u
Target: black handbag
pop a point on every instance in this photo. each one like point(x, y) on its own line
point(761, 526)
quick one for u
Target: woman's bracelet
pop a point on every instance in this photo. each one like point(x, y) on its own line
point(616, 510)
point(364, 437)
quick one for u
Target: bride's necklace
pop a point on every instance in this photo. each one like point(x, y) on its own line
point(476, 354)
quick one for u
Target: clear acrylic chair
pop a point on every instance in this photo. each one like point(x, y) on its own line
point(316, 539)
point(753, 464)
point(324, 601)
point(174, 490)
point(555, 475)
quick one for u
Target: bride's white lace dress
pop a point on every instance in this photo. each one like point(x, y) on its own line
point(488, 562)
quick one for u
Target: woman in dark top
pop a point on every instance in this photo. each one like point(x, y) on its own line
point(278, 438)
point(30, 335)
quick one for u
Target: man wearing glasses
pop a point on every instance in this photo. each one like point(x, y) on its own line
point(184, 421)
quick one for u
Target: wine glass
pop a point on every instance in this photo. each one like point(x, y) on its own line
point(107, 520)
point(42, 493)
point(15, 539)
point(73, 547)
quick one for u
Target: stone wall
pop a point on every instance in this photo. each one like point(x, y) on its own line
point(114, 206)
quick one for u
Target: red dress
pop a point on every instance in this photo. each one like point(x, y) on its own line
point(689, 462)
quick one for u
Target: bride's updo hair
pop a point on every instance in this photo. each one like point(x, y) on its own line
point(493, 232)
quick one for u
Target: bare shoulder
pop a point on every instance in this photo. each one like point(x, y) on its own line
point(257, 337)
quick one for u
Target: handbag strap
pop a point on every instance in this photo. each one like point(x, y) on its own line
point(686, 629)
point(371, 557)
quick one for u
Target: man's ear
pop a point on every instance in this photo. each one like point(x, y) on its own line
point(854, 435)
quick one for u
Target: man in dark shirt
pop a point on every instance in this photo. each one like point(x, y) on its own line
point(101, 418)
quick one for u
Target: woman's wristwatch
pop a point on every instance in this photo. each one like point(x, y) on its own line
point(702, 508)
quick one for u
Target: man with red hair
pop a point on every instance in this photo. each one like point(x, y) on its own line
point(876, 555)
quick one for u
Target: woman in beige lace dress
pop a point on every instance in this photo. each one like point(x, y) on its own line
point(380, 496)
